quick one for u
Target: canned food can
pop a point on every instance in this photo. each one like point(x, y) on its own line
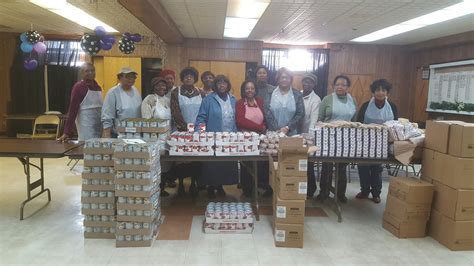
point(94, 194)
point(137, 225)
point(103, 206)
point(137, 238)
point(128, 238)
point(139, 212)
point(86, 205)
point(120, 238)
point(128, 225)
point(102, 194)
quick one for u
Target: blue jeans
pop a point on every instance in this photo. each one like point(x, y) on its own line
point(370, 177)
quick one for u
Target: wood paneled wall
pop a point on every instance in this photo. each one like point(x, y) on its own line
point(8, 46)
point(360, 61)
point(452, 48)
point(179, 56)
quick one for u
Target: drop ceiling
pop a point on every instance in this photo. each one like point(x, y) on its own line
point(284, 21)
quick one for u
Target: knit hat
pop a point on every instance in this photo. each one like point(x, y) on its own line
point(311, 77)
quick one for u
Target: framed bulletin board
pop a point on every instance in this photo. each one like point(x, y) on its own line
point(451, 88)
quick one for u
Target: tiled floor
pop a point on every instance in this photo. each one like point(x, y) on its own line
point(53, 235)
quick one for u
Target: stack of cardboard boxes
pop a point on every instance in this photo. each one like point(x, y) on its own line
point(289, 183)
point(408, 207)
point(137, 179)
point(448, 162)
point(98, 196)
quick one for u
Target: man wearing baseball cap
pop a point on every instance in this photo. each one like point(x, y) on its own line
point(121, 102)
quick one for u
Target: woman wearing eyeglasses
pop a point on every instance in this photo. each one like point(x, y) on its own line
point(121, 102)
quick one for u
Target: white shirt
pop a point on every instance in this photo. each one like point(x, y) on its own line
point(311, 109)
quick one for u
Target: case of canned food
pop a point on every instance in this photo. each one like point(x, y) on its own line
point(234, 228)
point(229, 212)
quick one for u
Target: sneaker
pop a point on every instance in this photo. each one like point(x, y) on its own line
point(361, 195)
point(322, 196)
point(376, 199)
point(164, 194)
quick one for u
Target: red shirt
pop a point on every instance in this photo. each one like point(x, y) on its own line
point(78, 93)
point(245, 124)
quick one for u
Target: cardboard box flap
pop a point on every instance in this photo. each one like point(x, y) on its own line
point(411, 190)
point(461, 140)
point(290, 143)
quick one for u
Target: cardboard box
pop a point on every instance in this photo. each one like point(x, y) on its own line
point(457, 204)
point(98, 163)
point(404, 229)
point(226, 228)
point(99, 224)
point(289, 211)
point(455, 235)
point(437, 135)
point(426, 179)
point(411, 190)
point(108, 176)
point(291, 188)
point(99, 235)
point(107, 212)
point(98, 151)
point(289, 235)
point(98, 200)
point(461, 140)
point(133, 167)
point(292, 157)
point(98, 187)
point(272, 172)
point(453, 171)
point(407, 211)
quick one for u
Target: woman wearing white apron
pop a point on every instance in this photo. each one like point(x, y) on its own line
point(85, 107)
point(121, 102)
point(157, 105)
point(286, 110)
point(338, 105)
point(376, 111)
point(185, 103)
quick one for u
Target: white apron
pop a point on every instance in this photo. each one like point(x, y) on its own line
point(161, 110)
point(88, 118)
point(342, 111)
point(374, 115)
point(189, 107)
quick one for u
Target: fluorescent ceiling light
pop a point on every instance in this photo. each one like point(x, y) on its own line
point(451, 12)
point(72, 13)
point(242, 16)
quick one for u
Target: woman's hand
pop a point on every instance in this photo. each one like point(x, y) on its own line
point(63, 138)
point(285, 130)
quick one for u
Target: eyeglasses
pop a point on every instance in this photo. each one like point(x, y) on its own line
point(130, 76)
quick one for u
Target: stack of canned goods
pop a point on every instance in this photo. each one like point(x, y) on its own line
point(138, 193)
point(228, 217)
point(98, 191)
point(146, 129)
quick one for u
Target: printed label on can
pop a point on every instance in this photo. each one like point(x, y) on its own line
point(281, 212)
point(303, 165)
point(131, 129)
point(280, 235)
point(302, 187)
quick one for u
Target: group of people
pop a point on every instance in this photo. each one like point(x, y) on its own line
point(262, 107)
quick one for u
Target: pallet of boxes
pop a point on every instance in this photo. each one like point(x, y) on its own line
point(289, 183)
point(408, 207)
point(137, 180)
point(448, 162)
point(98, 191)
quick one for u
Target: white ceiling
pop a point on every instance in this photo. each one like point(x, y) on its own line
point(284, 21)
point(317, 21)
point(19, 15)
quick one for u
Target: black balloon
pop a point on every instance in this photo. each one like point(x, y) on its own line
point(33, 36)
point(126, 45)
point(90, 44)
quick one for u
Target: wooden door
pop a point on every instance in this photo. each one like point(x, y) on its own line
point(421, 96)
point(360, 88)
point(107, 68)
point(235, 71)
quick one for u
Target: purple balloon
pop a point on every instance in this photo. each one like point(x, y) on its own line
point(136, 37)
point(30, 64)
point(108, 39)
point(127, 34)
point(100, 31)
point(105, 45)
point(40, 47)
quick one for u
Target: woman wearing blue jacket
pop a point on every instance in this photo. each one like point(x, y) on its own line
point(217, 112)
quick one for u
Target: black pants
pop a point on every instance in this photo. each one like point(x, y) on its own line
point(370, 177)
point(181, 171)
point(246, 178)
point(326, 178)
point(311, 180)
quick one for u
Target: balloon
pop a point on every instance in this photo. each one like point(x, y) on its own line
point(105, 45)
point(126, 34)
point(30, 64)
point(100, 31)
point(33, 36)
point(90, 44)
point(26, 47)
point(23, 37)
point(40, 47)
point(136, 37)
point(126, 45)
point(108, 39)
